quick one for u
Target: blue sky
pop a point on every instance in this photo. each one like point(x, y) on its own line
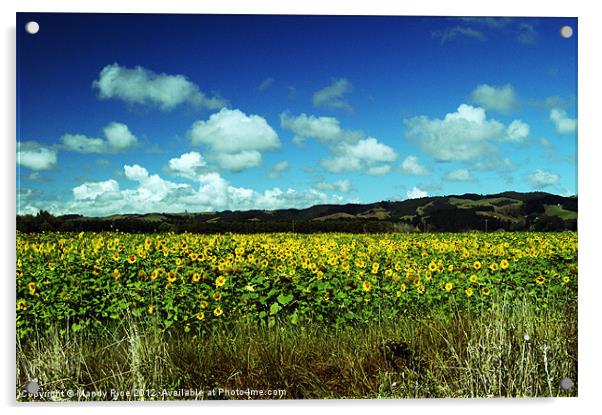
point(157, 113)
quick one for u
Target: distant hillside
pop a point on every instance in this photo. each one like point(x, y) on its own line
point(510, 211)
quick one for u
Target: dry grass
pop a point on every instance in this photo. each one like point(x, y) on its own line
point(456, 354)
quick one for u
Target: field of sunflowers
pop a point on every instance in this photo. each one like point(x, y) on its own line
point(192, 282)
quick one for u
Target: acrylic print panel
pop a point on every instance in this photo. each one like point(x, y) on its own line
point(287, 207)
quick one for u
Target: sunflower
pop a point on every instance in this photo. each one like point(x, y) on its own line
point(218, 311)
point(196, 277)
point(32, 287)
point(367, 286)
point(360, 264)
point(116, 256)
point(477, 265)
point(51, 266)
point(473, 278)
point(427, 275)
point(132, 258)
point(421, 288)
point(217, 296)
point(504, 264)
point(203, 304)
point(540, 280)
point(200, 315)
point(116, 274)
point(375, 267)
point(432, 267)
point(565, 280)
point(21, 305)
point(468, 292)
point(151, 308)
point(154, 274)
point(486, 291)
point(449, 286)
point(388, 272)
point(402, 288)
point(220, 281)
point(450, 268)
point(493, 267)
point(171, 276)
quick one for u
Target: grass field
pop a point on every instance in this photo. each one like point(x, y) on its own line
point(296, 316)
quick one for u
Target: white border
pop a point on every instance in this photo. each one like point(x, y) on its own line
point(590, 134)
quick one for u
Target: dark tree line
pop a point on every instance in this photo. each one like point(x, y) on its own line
point(445, 218)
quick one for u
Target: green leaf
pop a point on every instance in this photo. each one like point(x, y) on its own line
point(275, 308)
point(285, 299)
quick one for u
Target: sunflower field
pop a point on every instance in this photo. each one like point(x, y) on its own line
point(193, 282)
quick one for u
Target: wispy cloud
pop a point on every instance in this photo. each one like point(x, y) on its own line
point(451, 33)
point(332, 96)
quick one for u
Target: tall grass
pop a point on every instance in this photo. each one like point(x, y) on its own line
point(504, 351)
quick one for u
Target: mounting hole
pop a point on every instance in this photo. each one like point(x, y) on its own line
point(32, 27)
point(566, 32)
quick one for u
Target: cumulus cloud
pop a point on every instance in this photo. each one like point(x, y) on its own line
point(235, 139)
point(459, 175)
point(563, 124)
point(236, 162)
point(416, 193)
point(144, 87)
point(332, 96)
point(277, 169)
point(494, 98)
point(362, 155)
point(542, 178)
point(466, 134)
point(118, 137)
point(326, 129)
point(155, 194)
point(517, 132)
point(35, 156)
point(187, 165)
point(412, 166)
point(342, 186)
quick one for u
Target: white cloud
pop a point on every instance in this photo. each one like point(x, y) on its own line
point(187, 165)
point(416, 193)
point(412, 166)
point(501, 99)
point(563, 124)
point(118, 138)
point(342, 186)
point(379, 170)
point(34, 156)
point(325, 129)
point(332, 96)
point(451, 33)
point(235, 139)
point(517, 131)
point(90, 191)
point(135, 173)
point(277, 169)
point(142, 86)
point(240, 161)
point(463, 135)
point(542, 178)
point(154, 194)
point(361, 155)
point(458, 175)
